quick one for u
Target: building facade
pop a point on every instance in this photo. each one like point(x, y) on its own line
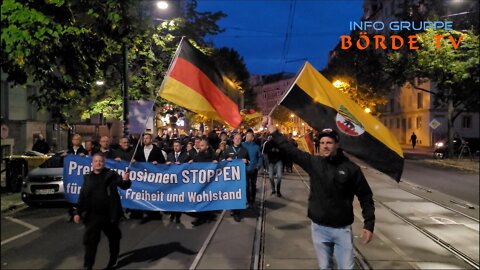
point(411, 110)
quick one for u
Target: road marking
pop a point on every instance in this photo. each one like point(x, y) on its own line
point(207, 241)
point(29, 226)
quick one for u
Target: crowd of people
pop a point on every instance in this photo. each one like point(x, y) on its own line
point(256, 150)
point(267, 152)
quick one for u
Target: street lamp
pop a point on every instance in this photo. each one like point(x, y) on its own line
point(162, 4)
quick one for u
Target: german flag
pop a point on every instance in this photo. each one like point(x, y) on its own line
point(194, 82)
point(314, 99)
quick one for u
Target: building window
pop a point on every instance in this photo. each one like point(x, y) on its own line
point(419, 100)
point(466, 121)
point(419, 122)
point(391, 123)
point(392, 104)
point(409, 123)
point(398, 122)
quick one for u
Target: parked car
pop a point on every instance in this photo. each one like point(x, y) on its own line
point(18, 166)
point(45, 183)
point(441, 147)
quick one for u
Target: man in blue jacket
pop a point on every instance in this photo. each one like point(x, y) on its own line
point(255, 162)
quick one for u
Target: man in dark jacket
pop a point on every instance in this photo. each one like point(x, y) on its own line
point(334, 181)
point(236, 151)
point(41, 145)
point(205, 154)
point(125, 151)
point(77, 148)
point(178, 156)
point(105, 148)
point(100, 208)
point(148, 153)
point(275, 165)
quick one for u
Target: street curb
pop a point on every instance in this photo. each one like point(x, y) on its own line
point(14, 208)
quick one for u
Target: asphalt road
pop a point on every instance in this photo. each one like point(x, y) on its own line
point(41, 238)
point(462, 185)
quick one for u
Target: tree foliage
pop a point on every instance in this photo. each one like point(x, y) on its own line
point(65, 46)
point(453, 72)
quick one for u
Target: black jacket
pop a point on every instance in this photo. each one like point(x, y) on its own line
point(235, 153)
point(182, 158)
point(155, 155)
point(41, 146)
point(333, 183)
point(124, 154)
point(109, 181)
point(110, 153)
point(205, 156)
point(80, 150)
point(272, 151)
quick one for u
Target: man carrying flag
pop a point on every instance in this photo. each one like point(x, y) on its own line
point(334, 180)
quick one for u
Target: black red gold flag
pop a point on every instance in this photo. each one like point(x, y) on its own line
point(314, 99)
point(194, 82)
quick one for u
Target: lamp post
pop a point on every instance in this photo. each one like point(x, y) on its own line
point(160, 5)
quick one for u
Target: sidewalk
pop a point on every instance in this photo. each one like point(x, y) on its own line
point(425, 154)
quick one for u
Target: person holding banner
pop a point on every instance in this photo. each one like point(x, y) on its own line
point(148, 153)
point(236, 151)
point(100, 208)
point(124, 152)
point(196, 148)
point(77, 148)
point(105, 149)
point(334, 181)
point(205, 154)
point(178, 156)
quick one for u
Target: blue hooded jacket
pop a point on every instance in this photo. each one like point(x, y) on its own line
point(254, 154)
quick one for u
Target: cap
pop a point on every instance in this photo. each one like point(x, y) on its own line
point(328, 132)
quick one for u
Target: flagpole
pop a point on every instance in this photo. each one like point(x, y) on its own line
point(169, 70)
point(290, 89)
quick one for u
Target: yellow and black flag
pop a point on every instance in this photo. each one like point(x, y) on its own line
point(314, 99)
point(194, 82)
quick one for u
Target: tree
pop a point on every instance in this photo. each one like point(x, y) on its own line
point(455, 72)
point(64, 47)
point(230, 62)
point(364, 81)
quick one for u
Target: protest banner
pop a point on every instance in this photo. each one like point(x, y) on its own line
point(185, 187)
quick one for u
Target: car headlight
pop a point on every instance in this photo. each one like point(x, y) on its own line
point(439, 144)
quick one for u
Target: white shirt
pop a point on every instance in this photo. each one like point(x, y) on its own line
point(147, 149)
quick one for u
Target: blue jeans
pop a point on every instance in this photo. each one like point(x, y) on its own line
point(329, 242)
point(277, 169)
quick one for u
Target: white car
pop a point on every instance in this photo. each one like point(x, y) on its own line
point(45, 183)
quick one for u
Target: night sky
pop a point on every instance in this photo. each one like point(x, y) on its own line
point(280, 35)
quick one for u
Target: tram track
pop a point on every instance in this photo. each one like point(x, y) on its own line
point(258, 249)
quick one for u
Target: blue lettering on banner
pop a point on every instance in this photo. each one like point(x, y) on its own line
point(186, 187)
